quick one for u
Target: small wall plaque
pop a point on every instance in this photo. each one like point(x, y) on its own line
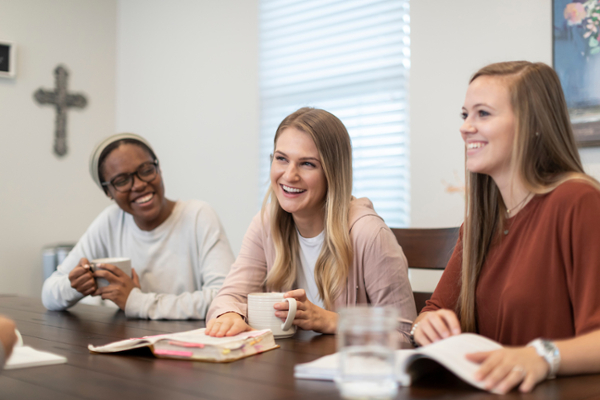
point(8, 60)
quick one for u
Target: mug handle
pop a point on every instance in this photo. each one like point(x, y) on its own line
point(291, 314)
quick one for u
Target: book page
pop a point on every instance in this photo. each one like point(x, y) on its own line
point(326, 368)
point(25, 356)
point(451, 354)
point(196, 336)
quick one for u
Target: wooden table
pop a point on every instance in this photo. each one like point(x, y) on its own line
point(140, 376)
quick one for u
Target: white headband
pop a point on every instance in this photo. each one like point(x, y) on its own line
point(95, 156)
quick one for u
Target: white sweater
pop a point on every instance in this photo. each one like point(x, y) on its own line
point(181, 264)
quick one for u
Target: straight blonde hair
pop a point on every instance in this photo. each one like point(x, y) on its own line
point(544, 156)
point(335, 151)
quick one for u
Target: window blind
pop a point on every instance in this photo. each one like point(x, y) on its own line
point(351, 58)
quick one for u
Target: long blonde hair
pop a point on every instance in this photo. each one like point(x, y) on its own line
point(331, 269)
point(544, 156)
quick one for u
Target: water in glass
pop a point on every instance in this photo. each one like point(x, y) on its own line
point(366, 342)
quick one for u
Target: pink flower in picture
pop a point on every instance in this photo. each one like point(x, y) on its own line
point(574, 13)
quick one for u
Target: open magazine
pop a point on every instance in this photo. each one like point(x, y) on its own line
point(195, 345)
point(449, 353)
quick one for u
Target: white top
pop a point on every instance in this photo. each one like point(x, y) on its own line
point(310, 248)
point(181, 264)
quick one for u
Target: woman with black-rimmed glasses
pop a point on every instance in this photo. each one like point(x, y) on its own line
point(178, 249)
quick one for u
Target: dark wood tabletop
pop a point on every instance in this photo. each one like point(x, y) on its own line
point(138, 375)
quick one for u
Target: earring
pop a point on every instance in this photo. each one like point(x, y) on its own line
point(537, 134)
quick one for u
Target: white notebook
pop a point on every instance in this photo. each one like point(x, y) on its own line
point(25, 357)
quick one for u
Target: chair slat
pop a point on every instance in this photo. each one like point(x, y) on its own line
point(426, 249)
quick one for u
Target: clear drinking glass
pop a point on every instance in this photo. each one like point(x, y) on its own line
point(367, 341)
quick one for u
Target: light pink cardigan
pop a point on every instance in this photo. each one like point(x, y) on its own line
point(379, 274)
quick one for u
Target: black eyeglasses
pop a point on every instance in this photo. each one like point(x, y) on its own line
point(124, 182)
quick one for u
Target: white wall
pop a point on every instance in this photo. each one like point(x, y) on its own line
point(44, 199)
point(187, 79)
point(450, 40)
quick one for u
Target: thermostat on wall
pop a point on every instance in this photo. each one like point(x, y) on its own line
point(8, 60)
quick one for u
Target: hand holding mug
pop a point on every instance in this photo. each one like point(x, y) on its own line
point(119, 283)
point(308, 316)
point(262, 314)
point(82, 278)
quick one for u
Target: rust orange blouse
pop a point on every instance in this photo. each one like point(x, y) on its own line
point(542, 278)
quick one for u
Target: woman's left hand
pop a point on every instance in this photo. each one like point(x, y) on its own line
point(120, 284)
point(308, 315)
point(506, 368)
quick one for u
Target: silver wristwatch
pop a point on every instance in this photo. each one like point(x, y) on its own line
point(549, 352)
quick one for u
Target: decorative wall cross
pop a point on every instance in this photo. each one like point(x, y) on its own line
point(62, 101)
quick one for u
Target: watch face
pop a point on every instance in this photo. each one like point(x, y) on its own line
point(549, 347)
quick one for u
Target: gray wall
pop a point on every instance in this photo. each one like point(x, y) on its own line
point(187, 79)
point(44, 199)
point(450, 40)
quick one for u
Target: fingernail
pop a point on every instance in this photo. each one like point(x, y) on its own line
point(456, 331)
point(445, 334)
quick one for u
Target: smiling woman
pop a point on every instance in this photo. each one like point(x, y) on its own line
point(313, 239)
point(144, 197)
point(178, 249)
point(526, 266)
point(488, 130)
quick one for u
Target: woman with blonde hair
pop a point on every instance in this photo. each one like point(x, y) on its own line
point(313, 240)
point(525, 269)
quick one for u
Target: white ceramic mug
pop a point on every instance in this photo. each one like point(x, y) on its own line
point(261, 314)
point(123, 263)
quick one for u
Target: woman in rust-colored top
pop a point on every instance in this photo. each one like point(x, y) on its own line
point(525, 269)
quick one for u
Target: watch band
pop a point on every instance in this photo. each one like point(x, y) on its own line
point(549, 352)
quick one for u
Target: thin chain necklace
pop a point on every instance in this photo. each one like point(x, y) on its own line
point(509, 210)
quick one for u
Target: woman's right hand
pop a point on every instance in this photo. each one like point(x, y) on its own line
point(436, 325)
point(82, 278)
point(228, 324)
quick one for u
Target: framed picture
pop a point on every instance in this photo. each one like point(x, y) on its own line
point(576, 58)
point(8, 60)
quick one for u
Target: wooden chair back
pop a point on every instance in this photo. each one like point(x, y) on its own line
point(426, 249)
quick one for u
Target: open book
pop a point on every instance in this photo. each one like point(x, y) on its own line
point(195, 345)
point(450, 353)
point(25, 357)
